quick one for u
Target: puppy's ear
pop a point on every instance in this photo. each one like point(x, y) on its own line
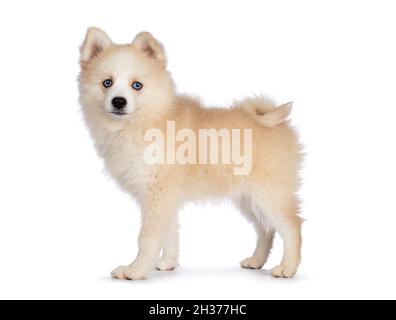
point(145, 42)
point(95, 42)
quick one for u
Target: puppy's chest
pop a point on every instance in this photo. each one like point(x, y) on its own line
point(124, 158)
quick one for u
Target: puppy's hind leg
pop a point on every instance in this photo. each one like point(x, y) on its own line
point(265, 236)
point(170, 251)
point(289, 228)
point(283, 215)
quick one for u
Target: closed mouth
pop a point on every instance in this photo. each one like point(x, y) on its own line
point(118, 113)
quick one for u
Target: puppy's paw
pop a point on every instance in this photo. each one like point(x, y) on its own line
point(282, 271)
point(251, 263)
point(118, 273)
point(167, 265)
point(135, 273)
point(129, 273)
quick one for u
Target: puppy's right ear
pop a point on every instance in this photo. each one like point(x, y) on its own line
point(95, 42)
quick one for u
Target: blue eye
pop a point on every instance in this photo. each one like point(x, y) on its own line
point(137, 85)
point(107, 83)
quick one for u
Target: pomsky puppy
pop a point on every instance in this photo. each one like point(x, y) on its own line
point(126, 91)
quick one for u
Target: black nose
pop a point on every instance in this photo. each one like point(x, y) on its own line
point(119, 102)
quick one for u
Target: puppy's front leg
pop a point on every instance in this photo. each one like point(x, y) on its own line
point(158, 212)
point(170, 249)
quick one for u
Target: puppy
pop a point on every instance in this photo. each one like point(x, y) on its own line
point(165, 149)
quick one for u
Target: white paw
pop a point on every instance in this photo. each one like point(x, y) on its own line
point(282, 271)
point(130, 273)
point(118, 273)
point(167, 265)
point(251, 263)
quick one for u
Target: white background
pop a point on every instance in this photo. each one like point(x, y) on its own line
point(64, 225)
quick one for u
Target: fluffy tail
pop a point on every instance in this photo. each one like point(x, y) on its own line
point(265, 111)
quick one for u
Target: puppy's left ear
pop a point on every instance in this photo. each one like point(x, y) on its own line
point(150, 46)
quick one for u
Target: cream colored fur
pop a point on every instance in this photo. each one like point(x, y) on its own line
point(267, 196)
